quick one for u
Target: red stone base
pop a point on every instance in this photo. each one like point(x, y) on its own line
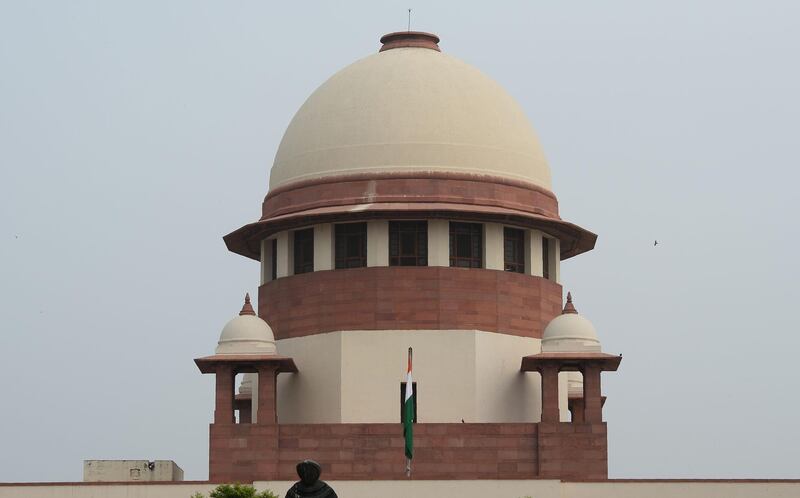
point(250, 452)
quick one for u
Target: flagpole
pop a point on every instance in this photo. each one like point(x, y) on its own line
point(408, 429)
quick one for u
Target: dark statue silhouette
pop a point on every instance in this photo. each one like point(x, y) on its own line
point(309, 485)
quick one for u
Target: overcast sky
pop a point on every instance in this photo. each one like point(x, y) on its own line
point(134, 135)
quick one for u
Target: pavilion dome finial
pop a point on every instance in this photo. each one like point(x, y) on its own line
point(246, 334)
point(570, 332)
point(247, 309)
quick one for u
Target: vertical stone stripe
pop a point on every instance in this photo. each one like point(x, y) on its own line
point(267, 381)
point(550, 412)
point(592, 397)
point(223, 412)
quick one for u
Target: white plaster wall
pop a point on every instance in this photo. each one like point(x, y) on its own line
point(313, 394)
point(539, 488)
point(76, 490)
point(438, 243)
point(503, 393)
point(355, 376)
point(678, 489)
point(378, 243)
point(323, 247)
point(493, 246)
point(130, 470)
point(374, 364)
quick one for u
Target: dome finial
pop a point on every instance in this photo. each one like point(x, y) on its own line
point(247, 309)
point(569, 307)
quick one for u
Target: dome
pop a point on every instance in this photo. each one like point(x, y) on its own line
point(570, 332)
point(246, 334)
point(246, 387)
point(410, 108)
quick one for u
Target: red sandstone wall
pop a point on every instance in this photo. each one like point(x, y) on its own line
point(410, 188)
point(409, 298)
point(246, 452)
point(573, 450)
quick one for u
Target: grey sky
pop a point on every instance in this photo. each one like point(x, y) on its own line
point(133, 135)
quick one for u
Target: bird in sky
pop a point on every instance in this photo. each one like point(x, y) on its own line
point(655, 243)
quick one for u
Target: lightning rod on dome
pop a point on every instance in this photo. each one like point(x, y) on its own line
point(409, 20)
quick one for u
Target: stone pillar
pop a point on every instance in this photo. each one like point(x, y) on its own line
point(576, 409)
point(533, 253)
point(493, 254)
point(266, 261)
point(267, 392)
point(592, 397)
point(223, 411)
point(378, 243)
point(555, 258)
point(244, 406)
point(323, 247)
point(438, 243)
point(284, 259)
point(549, 375)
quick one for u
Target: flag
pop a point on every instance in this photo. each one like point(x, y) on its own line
point(408, 407)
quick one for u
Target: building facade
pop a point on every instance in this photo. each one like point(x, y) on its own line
point(410, 205)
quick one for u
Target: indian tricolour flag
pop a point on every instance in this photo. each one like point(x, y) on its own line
point(408, 422)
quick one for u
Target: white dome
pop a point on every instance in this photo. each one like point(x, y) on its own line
point(246, 334)
point(410, 109)
point(246, 387)
point(570, 333)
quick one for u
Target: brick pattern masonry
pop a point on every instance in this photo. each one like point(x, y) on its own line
point(249, 452)
point(409, 298)
point(419, 188)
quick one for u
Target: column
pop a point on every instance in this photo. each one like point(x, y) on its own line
point(223, 410)
point(493, 246)
point(266, 260)
point(378, 243)
point(555, 260)
point(438, 243)
point(592, 397)
point(284, 259)
point(533, 253)
point(549, 375)
point(245, 409)
point(323, 247)
point(576, 409)
point(267, 393)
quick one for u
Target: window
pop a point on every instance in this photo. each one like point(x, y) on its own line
point(274, 258)
point(466, 245)
point(513, 250)
point(351, 245)
point(545, 257)
point(408, 243)
point(403, 401)
point(304, 251)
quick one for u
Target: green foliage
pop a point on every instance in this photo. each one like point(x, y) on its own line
point(237, 491)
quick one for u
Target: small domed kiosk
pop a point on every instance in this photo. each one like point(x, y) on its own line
point(570, 344)
point(246, 334)
point(246, 345)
